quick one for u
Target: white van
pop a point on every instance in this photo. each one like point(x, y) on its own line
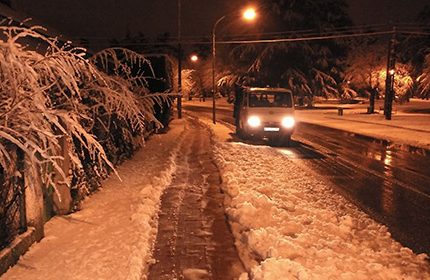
point(266, 113)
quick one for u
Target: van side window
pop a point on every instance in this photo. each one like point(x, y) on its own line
point(270, 99)
point(253, 100)
point(283, 100)
point(245, 100)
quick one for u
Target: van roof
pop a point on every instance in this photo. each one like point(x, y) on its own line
point(269, 89)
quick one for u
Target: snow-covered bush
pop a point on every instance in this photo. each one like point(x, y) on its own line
point(41, 104)
point(53, 101)
point(129, 72)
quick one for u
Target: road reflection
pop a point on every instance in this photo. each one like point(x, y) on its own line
point(387, 196)
point(390, 184)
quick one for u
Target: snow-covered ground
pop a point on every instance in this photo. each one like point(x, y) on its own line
point(404, 128)
point(409, 125)
point(289, 224)
point(112, 236)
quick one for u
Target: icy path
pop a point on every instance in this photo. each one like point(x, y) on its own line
point(194, 241)
point(111, 237)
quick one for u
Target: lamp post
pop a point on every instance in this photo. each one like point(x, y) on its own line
point(389, 81)
point(179, 100)
point(249, 15)
point(213, 68)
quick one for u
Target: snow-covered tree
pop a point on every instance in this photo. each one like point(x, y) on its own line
point(205, 76)
point(365, 60)
point(424, 79)
point(191, 84)
point(53, 102)
point(413, 49)
point(226, 84)
point(366, 70)
point(308, 68)
point(402, 80)
point(32, 116)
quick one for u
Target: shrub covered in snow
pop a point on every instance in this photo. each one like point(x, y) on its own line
point(70, 116)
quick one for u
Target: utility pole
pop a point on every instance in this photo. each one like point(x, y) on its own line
point(214, 87)
point(179, 104)
point(389, 81)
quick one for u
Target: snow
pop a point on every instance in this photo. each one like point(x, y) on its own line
point(292, 225)
point(288, 223)
point(112, 236)
point(405, 127)
point(195, 274)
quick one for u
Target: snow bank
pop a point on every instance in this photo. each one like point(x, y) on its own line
point(145, 219)
point(289, 225)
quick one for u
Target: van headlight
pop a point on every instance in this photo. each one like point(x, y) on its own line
point(288, 122)
point(254, 121)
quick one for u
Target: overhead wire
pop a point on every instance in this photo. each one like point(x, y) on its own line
point(293, 36)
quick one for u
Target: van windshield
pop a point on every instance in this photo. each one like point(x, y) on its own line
point(269, 99)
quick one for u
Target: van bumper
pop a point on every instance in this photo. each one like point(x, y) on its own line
point(269, 131)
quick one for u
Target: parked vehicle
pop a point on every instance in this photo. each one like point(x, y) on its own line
point(265, 113)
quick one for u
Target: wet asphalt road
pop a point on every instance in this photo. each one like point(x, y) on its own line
point(391, 183)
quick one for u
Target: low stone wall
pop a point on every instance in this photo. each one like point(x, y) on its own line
point(11, 254)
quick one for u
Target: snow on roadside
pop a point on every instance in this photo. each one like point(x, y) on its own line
point(112, 236)
point(289, 225)
point(145, 215)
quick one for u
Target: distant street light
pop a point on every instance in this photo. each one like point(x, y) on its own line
point(194, 58)
point(249, 14)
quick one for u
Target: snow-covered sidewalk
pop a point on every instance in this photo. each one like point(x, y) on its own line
point(289, 224)
point(112, 236)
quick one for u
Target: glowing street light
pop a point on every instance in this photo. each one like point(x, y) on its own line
point(249, 15)
point(194, 58)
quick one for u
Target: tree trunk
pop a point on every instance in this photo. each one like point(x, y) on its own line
point(372, 101)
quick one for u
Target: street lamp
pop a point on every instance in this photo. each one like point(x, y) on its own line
point(194, 58)
point(249, 14)
point(179, 99)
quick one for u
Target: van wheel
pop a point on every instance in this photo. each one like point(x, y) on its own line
point(287, 140)
point(281, 141)
point(241, 133)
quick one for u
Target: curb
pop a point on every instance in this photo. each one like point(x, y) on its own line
point(10, 255)
point(401, 146)
point(380, 124)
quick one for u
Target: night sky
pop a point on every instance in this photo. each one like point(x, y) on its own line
point(106, 19)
